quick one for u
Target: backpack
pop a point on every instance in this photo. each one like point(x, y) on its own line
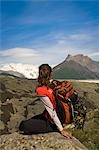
point(69, 108)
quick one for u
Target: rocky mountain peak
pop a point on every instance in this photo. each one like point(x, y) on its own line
point(84, 61)
point(78, 58)
point(68, 57)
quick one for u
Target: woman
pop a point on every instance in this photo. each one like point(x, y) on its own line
point(48, 121)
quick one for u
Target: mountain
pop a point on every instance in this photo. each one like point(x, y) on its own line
point(12, 73)
point(76, 67)
point(85, 61)
point(73, 67)
point(21, 70)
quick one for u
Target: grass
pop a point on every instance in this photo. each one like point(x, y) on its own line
point(89, 136)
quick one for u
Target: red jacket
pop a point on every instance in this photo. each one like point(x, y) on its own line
point(44, 91)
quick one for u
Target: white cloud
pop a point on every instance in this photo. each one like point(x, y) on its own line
point(20, 55)
point(94, 54)
point(19, 52)
point(62, 39)
point(53, 48)
point(80, 36)
point(51, 55)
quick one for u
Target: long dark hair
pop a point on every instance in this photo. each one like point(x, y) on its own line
point(44, 75)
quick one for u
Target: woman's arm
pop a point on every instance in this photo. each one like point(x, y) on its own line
point(49, 107)
point(52, 112)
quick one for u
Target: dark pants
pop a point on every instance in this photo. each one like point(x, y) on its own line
point(37, 124)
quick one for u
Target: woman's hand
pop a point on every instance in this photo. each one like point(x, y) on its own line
point(66, 134)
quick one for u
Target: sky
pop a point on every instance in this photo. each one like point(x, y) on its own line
point(46, 31)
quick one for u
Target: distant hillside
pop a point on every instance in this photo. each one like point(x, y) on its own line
point(12, 73)
point(73, 70)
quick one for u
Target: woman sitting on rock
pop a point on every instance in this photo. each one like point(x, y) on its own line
point(48, 121)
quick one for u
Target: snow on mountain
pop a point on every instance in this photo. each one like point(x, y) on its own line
point(28, 70)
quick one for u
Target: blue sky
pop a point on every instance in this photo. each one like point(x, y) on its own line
point(46, 31)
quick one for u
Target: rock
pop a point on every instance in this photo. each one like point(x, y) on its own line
point(14, 122)
point(1, 125)
point(2, 87)
point(7, 109)
point(48, 141)
point(97, 90)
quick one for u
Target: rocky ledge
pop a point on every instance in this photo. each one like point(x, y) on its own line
point(48, 141)
point(19, 102)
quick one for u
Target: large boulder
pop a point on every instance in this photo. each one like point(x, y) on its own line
point(48, 141)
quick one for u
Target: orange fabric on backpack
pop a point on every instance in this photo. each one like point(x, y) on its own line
point(67, 120)
point(62, 91)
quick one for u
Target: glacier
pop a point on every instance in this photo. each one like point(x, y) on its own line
point(30, 71)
